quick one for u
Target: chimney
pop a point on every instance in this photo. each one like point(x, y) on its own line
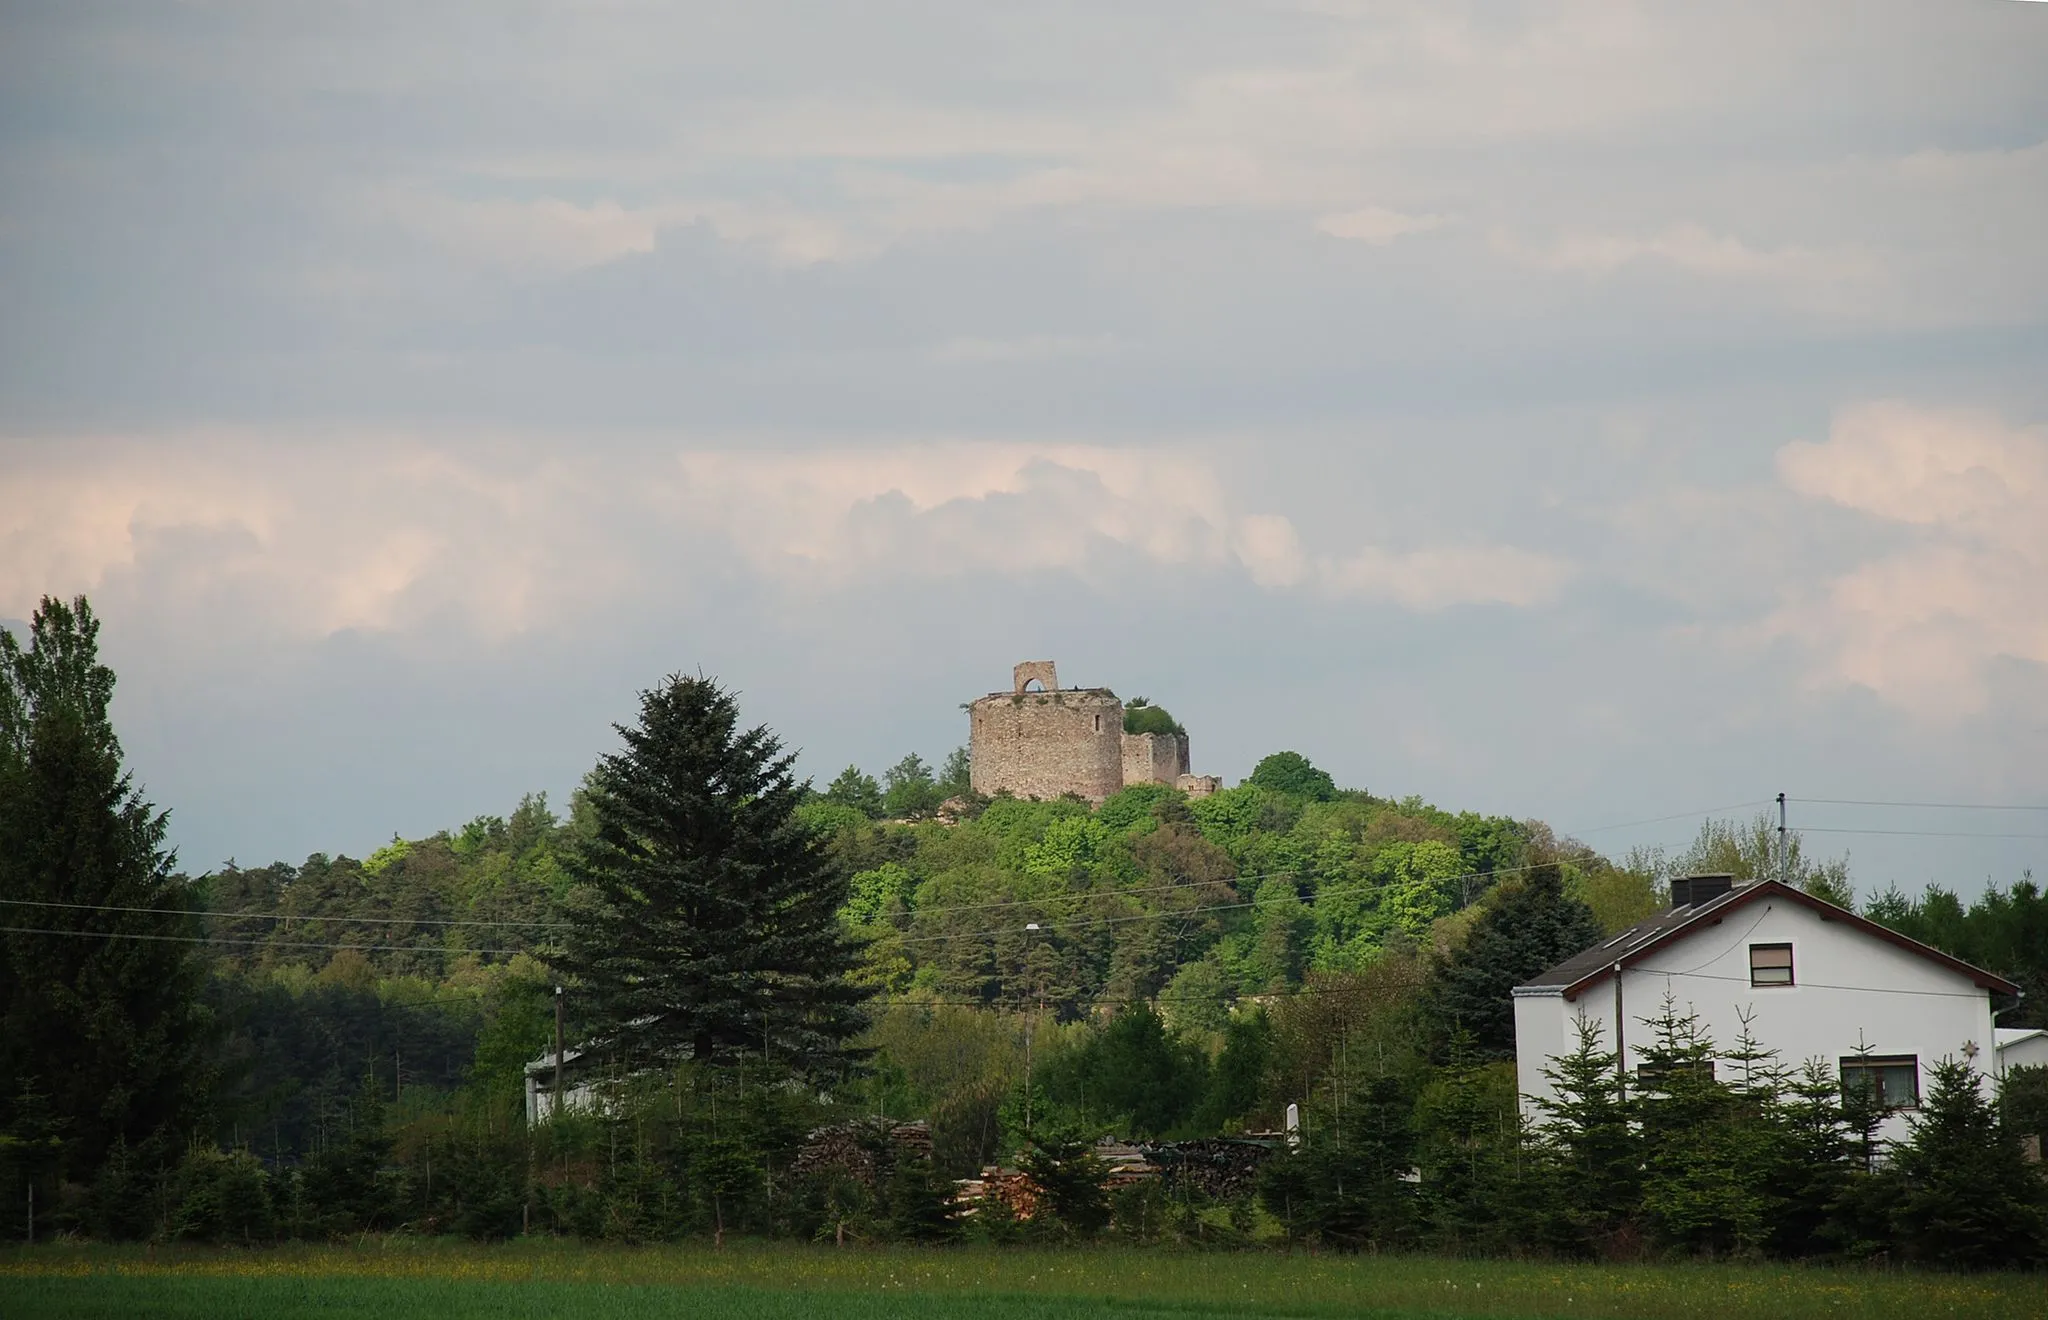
point(1708, 887)
point(1681, 892)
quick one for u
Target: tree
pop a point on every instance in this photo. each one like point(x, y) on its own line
point(99, 995)
point(1594, 1156)
point(708, 923)
point(1292, 773)
point(1969, 1201)
point(956, 776)
point(1141, 716)
point(1064, 1167)
point(908, 790)
point(1529, 927)
point(852, 788)
point(1750, 850)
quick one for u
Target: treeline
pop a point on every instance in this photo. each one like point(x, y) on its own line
point(339, 1046)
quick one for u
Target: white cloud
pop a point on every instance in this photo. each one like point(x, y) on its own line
point(305, 540)
point(945, 510)
point(1378, 225)
point(1921, 625)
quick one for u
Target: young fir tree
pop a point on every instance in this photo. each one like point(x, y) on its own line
point(1704, 1175)
point(99, 993)
point(1592, 1155)
point(1967, 1200)
point(708, 926)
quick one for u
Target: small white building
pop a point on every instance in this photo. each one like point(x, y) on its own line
point(1817, 982)
point(2022, 1047)
point(579, 1092)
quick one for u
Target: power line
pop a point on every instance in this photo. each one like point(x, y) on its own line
point(1925, 834)
point(258, 944)
point(285, 916)
point(1659, 820)
point(1929, 806)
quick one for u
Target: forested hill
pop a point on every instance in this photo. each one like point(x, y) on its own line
point(1149, 895)
point(1194, 904)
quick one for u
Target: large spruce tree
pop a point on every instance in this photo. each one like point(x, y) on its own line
point(100, 1022)
point(708, 922)
point(1531, 925)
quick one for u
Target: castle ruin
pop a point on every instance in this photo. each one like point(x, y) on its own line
point(1039, 740)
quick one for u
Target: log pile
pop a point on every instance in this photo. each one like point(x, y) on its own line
point(1222, 1168)
point(865, 1149)
point(1010, 1187)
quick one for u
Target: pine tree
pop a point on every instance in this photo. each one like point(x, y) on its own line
point(1530, 927)
point(708, 924)
point(99, 988)
point(1968, 1201)
point(1593, 1154)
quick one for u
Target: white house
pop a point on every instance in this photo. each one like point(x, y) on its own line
point(1817, 981)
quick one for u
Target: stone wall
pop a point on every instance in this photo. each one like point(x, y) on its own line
point(1047, 744)
point(1155, 758)
point(1199, 786)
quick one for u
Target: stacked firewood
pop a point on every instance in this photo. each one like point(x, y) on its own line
point(866, 1149)
point(1221, 1168)
point(1008, 1187)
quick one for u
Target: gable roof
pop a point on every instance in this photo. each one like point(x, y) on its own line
point(1584, 970)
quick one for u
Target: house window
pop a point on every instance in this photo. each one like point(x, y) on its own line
point(1098, 724)
point(1770, 964)
point(1893, 1080)
point(1656, 1074)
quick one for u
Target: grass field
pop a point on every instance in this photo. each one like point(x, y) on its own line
point(400, 1279)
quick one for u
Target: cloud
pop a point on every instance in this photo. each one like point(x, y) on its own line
point(1378, 225)
point(378, 534)
point(952, 509)
point(1922, 625)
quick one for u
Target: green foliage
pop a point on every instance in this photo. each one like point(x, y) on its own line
point(1292, 774)
point(1141, 716)
point(857, 790)
point(1349, 1187)
point(909, 790)
point(956, 776)
point(708, 917)
point(1590, 1146)
point(1968, 1201)
point(221, 1197)
point(110, 1028)
point(1063, 1165)
point(1131, 1077)
point(2023, 1101)
point(1526, 928)
point(2004, 931)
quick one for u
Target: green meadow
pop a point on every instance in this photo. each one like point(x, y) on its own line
point(400, 1279)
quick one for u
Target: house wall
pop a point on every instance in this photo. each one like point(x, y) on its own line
point(540, 1098)
point(1851, 988)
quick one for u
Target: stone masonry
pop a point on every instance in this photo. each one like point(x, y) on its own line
point(1039, 740)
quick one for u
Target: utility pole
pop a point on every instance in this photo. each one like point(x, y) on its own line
point(1620, 1047)
point(1030, 928)
point(556, 1112)
point(1784, 846)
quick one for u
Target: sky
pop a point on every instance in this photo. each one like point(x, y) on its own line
point(1597, 412)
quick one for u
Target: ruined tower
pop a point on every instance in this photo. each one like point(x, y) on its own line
point(1039, 740)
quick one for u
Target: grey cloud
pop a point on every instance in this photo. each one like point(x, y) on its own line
point(375, 353)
